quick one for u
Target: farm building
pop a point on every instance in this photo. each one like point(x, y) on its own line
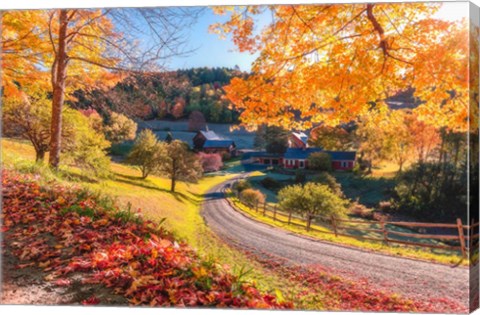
point(263, 158)
point(208, 141)
point(296, 156)
point(298, 140)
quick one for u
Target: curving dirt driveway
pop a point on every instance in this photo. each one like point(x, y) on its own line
point(411, 278)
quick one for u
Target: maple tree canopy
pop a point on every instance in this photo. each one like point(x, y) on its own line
point(332, 64)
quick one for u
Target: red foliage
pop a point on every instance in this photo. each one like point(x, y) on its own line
point(89, 112)
point(342, 294)
point(211, 162)
point(196, 121)
point(65, 231)
point(179, 107)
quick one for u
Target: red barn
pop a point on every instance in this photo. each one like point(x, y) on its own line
point(209, 142)
point(298, 140)
point(296, 158)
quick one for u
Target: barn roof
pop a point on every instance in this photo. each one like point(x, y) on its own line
point(300, 135)
point(218, 143)
point(342, 155)
point(210, 135)
point(299, 153)
point(303, 154)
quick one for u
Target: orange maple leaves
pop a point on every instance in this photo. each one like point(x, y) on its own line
point(331, 63)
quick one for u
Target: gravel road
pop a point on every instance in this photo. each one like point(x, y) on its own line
point(411, 278)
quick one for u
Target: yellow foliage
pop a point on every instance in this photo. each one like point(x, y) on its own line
point(333, 63)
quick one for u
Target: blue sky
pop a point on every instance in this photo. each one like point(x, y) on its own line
point(215, 52)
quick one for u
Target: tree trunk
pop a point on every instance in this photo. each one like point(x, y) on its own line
point(39, 155)
point(172, 184)
point(59, 72)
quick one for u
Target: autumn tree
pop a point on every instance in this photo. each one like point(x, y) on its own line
point(95, 118)
point(320, 161)
point(85, 48)
point(29, 117)
point(178, 107)
point(333, 63)
point(196, 121)
point(22, 45)
point(310, 200)
point(426, 138)
point(146, 152)
point(331, 138)
point(273, 139)
point(398, 141)
point(371, 135)
point(177, 162)
point(211, 162)
point(120, 128)
point(252, 197)
point(87, 149)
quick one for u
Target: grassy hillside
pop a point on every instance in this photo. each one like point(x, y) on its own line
point(305, 286)
point(180, 212)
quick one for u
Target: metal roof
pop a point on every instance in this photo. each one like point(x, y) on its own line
point(210, 135)
point(342, 155)
point(303, 154)
point(300, 135)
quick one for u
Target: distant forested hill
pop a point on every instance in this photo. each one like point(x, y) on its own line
point(166, 95)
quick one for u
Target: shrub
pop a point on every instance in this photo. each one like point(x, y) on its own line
point(241, 185)
point(359, 210)
point(300, 177)
point(385, 206)
point(120, 128)
point(226, 156)
point(320, 161)
point(327, 179)
point(86, 147)
point(270, 183)
point(211, 162)
point(252, 197)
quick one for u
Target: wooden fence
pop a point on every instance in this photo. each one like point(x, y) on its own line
point(463, 237)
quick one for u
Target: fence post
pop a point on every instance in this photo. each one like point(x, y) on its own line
point(274, 212)
point(264, 208)
point(461, 237)
point(384, 231)
point(289, 216)
point(334, 225)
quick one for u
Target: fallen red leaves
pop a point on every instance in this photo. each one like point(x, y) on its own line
point(341, 294)
point(66, 232)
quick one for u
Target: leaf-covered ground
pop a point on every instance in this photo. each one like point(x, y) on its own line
point(66, 245)
point(78, 239)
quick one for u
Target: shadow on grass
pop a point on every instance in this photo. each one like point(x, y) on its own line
point(213, 195)
point(139, 182)
point(368, 190)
